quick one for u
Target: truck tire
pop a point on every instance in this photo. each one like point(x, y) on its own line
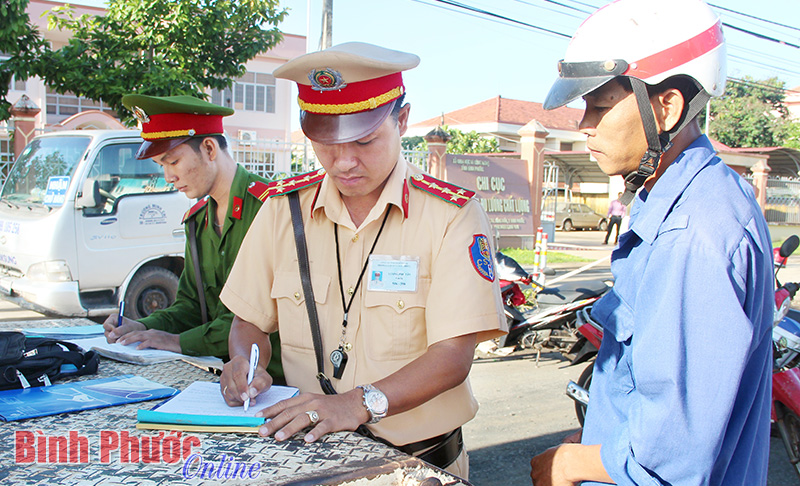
point(151, 289)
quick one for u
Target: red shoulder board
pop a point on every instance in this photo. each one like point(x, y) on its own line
point(194, 209)
point(443, 190)
point(258, 189)
point(291, 184)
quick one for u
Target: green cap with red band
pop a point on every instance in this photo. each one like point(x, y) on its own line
point(168, 121)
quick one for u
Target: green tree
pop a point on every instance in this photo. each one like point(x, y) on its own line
point(20, 40)
point(414, 143)
point(158, 47)
point(790, 133)
point(750, 114)
point(459, 143)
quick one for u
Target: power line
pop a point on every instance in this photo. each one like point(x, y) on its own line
point(754, 17)
point(788, 69)
point(762, 65)
point(761, 36)
point(761, 85)
point(502, 17)
point(555, 11)
point(469, 14)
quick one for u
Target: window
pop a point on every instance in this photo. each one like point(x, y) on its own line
point(251, 92)
point(566, 146)
point(14, 84)
point(69, 104)
point(118, 173)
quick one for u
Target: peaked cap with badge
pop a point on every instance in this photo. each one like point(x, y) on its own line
point(348, 90)
point(168, 121)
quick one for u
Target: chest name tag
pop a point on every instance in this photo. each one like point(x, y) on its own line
point(392, 274)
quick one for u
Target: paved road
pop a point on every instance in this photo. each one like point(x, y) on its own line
point(523, 406)
point(524, 409)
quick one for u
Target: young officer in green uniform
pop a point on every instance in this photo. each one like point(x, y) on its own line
point(183, 134)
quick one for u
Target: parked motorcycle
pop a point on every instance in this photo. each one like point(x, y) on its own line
point(786, 354)
point(546, 318)
point(590, 335)
point(786, 359)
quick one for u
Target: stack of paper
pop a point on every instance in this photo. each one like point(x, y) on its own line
point(201, 408)
point(129, 354)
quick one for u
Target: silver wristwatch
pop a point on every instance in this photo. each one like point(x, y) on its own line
point(375, 402)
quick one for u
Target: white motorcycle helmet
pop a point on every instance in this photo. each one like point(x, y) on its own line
point(647, 41)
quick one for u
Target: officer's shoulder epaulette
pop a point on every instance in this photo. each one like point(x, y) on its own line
point(194, 209)
point(258, 190)
point(291, 184)
point(441, 189)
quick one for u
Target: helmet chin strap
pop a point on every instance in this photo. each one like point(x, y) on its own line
point(656, 144)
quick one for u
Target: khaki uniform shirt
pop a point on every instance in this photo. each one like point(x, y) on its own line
point(387, 330)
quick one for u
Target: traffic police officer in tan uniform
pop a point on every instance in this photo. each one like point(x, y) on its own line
point(184, 135)
point(401, 269)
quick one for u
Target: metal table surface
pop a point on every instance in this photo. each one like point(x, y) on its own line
point(336, 458)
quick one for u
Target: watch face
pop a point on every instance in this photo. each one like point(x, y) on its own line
point(377, 402)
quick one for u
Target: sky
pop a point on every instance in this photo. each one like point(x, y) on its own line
point(468, 57)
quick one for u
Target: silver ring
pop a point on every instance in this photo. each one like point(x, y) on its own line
point(313, 416)
point(225, 390)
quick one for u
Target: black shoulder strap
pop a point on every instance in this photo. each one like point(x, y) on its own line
point(308, 291)
point(198, 279)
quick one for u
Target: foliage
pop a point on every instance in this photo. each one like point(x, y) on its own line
point(414, 143)
point(750, 114)
point(526, 257)
point(459, 143)
point(20, 40)
point(158, 48)
point(790, 133)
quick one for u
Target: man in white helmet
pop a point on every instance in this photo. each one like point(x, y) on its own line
point(682, 382)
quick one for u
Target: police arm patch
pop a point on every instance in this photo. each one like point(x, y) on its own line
point(481, 257)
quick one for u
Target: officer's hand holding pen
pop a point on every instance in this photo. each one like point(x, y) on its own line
point(233, 382)
point(113, 330)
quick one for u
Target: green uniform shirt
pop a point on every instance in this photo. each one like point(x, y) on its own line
point(217, 254)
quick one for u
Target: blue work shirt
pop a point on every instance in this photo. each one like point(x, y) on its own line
point(682, 383)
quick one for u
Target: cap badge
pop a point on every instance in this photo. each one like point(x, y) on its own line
point(326, 79)
point(140, 115)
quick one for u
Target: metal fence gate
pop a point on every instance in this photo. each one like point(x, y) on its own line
point(783, 200)
point(276, 160)
point(6, 152)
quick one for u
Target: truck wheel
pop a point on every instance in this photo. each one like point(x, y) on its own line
point(584, 381)
point(151, 289)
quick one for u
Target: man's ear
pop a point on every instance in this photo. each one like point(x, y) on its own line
point(402, 118)
point(668, 107)
point(210, 147)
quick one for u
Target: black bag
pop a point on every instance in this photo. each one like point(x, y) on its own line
point(37, 361)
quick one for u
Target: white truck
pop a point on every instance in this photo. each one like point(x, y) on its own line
point(84, 226)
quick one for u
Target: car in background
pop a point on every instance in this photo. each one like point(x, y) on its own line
point(570, 216)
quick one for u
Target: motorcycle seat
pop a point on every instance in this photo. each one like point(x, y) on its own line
point(571, 292)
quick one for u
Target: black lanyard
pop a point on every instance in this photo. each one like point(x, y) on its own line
point(339, 355)
point(346, 306)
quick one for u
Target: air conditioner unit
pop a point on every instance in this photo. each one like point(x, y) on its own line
point(247, 137)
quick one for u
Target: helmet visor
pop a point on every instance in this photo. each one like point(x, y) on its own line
point(565, 90)
point(331, 129)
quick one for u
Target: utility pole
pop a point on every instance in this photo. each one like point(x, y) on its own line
point(325, 38)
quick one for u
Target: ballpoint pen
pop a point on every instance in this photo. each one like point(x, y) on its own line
point(253, 363)
point(121, 310)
